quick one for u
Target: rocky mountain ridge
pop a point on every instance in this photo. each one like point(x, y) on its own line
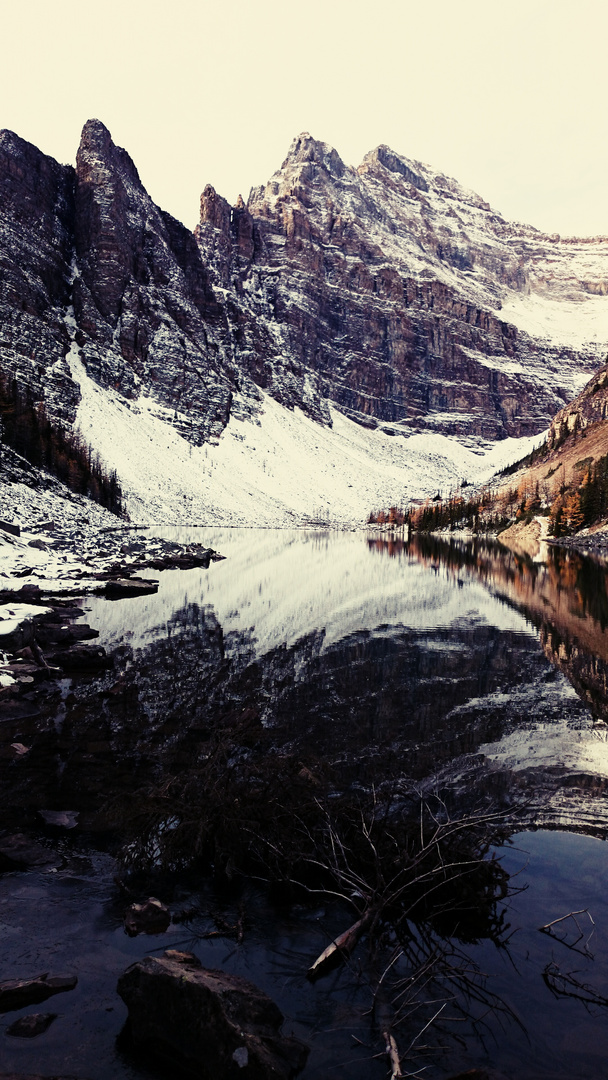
point(387, 291)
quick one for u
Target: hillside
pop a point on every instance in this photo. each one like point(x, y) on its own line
point(571, 476)
point(559, 490)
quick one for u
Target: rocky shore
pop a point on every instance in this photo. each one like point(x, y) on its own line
point(59, 543)
point(586, 543)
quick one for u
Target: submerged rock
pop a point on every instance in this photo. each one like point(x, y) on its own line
point(19, 993)
point(152, 917)
point(208, 1024)
point(18, 852)
point(28, 1027)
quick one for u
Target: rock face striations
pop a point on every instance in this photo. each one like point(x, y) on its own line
point(387, 284)
point(387, 291)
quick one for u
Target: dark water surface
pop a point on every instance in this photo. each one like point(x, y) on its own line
point(437, 661)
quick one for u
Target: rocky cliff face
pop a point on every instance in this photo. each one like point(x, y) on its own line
point(388, 291)
point(36, 217)
point(145, 311)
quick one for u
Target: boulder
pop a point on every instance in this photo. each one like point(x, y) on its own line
point(206, 1024)
point(9, 527)
point(63, 633)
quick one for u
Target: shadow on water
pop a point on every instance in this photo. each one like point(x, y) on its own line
point(360, 717)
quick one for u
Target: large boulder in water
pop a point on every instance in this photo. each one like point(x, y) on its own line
point(206, 1024)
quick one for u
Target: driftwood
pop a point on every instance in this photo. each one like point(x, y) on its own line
point(566, 984)
point(340, 947)
point(392, 1052)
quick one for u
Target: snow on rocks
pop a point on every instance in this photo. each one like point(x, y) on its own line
point(68, 544)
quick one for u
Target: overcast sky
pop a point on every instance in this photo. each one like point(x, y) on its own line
point(508, 97)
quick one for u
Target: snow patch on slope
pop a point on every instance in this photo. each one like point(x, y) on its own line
point(575, 323)
point(281, 469)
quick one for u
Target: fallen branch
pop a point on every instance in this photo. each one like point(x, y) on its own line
point(340, 947)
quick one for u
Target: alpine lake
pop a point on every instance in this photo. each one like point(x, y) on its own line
point(323, 725)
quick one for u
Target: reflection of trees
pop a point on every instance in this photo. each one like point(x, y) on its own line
point(587, 673)
point(566, 599)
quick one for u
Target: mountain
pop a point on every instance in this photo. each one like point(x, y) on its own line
point(407, 298)
point(338, 308)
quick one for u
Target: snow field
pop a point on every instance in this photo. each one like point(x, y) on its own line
point(283, 469)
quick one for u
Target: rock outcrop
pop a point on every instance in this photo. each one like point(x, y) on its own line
point(388, 291)
point(588, 409)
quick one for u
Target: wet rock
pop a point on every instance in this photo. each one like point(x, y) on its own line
point(28, 1027)
point(29, 673)
point(66, 819)
point(479, 1074)
point(152, 917)
point(81, 658)
point(118, 588)
point(31, 1076)
point(19, 993)
point(18, 852)
point(210, 1024)
point(62, 633)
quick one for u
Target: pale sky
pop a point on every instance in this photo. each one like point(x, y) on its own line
point(507, 96)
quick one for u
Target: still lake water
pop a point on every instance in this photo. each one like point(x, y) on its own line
point(442, 661)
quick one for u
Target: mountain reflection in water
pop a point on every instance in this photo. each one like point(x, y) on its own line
point(461, 666)
point(380, 657)
point(372, 653)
